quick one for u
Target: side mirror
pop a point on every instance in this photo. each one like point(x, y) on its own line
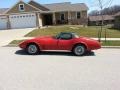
point(55, 37)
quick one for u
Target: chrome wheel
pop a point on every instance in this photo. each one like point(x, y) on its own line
point(32, 49)
point(79, 50)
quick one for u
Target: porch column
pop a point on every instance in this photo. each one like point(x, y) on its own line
point(69, 17)
point(54, 19)
point(8, 22)
point(39, 20)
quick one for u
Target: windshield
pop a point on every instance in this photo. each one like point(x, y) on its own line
point(75, 35)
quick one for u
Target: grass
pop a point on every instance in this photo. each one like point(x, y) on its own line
point(91, 31)
point(108, 43)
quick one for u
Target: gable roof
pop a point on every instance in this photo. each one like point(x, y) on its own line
point(55, 7)
point(66, 6)
point(28, 8)
point(79, 7)
point(58, 6)
point(3, 10)
point(99, 18)
point(37, 5)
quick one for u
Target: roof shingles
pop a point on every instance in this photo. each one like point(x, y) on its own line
point(117, 14)
point(3, 10)
point(39, 6)
point(99, 18)
point(66, 6)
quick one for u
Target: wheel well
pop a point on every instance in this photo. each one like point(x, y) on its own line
point(79, 44)
point(33, 43)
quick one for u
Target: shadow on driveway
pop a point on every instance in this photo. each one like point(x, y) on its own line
point(22, 52)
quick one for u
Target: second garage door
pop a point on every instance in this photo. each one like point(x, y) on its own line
point(23, 21)
point(3, 22)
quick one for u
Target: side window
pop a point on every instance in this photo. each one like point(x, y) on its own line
point(65, 36)
point(78, 15)
point(21, 7)
point(62, 16)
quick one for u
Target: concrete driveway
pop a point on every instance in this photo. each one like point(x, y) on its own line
point(6, 36)
point(59, 71)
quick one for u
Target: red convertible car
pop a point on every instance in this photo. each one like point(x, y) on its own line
point(63, 41)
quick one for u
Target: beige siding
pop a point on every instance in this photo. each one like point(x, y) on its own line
point(73, 17)
point(82, 21)
point(84, 14)
point(58, 15)
point(27, 7)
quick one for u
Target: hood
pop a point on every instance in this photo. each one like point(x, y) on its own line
point(43, 37)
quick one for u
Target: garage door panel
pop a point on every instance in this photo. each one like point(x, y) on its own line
point(23, 21)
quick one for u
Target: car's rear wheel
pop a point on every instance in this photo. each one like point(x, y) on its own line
point(32, 49)
point(79, 50)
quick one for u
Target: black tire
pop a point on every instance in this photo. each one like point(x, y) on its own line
point(32, 49)
point(79, 50)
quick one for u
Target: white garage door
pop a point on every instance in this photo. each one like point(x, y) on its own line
point(3, 22)
point(23, 21)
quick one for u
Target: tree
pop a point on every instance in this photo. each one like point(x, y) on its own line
point(94, 13)
point(106, 11)
point(101, 14)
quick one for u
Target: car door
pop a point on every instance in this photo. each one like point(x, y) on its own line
point(51, 44)
point(65, 41)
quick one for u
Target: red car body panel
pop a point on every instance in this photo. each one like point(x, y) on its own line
point(50, 43)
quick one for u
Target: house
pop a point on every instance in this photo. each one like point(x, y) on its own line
point(97, 20)
point(33, 14)
point(117, 21)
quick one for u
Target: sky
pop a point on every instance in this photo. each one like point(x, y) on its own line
point(92, 4)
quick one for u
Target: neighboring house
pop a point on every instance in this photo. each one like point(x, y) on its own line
point(97, 20)
point(117, 21)
point(33, 14)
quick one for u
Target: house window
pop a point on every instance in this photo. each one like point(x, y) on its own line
point(15, 17)
point(78, 15)
point(62, 17)
point(21, 7)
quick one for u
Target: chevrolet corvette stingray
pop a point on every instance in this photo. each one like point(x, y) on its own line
point(64, 41)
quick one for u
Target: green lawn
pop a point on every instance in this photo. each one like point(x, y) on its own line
point(81, 31)
point(108, 43)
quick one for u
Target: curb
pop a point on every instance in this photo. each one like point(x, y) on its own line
point(117, 47)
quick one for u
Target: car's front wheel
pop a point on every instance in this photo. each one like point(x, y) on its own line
point(79, 50)
point(32, 49)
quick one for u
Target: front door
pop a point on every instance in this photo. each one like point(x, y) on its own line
point(47, 19)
